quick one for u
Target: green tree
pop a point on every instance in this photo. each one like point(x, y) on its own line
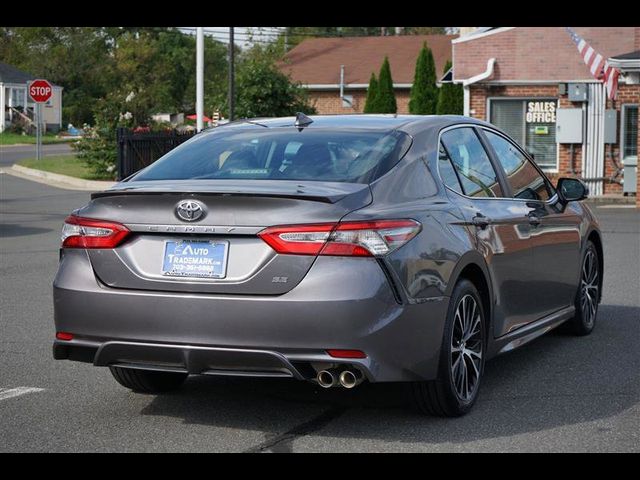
point(263, 91)
point(77, 58)
point(424, 92)
point(385, 101)
point(372, 93)
point(450, 97)
point(424, 30)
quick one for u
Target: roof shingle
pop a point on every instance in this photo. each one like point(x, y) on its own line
point(9, 74)
point(317, 61)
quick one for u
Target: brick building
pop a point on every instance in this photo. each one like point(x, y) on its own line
point(533, 83)
point(329, 66)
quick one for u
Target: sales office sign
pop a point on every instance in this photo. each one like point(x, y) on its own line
point(541, 112)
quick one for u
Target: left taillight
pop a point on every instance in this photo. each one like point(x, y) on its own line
point(79, 232)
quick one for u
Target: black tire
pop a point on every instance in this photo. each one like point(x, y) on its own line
point(588, 294)
point(148, 381)
point(441, 397)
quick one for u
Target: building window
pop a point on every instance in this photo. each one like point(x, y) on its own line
point(532, 124)
point(629, 132)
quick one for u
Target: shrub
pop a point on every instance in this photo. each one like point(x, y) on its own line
point(98, 149)
point(386, 98)
point(372, 92)
point(450, 98)
point(424, 93)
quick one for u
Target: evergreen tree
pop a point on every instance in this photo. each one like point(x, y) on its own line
point(450, 98)
point(385, 99)
point(424, 92)
point(372, 92)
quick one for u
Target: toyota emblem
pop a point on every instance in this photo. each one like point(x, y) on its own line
point(190, 210)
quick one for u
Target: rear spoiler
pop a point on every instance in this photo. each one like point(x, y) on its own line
point(326, 192)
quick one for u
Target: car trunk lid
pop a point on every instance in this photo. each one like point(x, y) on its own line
point(235, 212)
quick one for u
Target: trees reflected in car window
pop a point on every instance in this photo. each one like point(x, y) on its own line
point(525, 180)
point(447, 172)
point(472, 163)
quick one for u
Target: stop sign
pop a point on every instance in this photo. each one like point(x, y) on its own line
point(40, 91)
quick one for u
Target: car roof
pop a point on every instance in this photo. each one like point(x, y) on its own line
point(407, 123)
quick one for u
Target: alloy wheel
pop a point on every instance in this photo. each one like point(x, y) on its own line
point(466, 347)
point(589, 288)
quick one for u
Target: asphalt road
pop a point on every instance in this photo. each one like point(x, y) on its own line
point(11, 154)
point(559, 393)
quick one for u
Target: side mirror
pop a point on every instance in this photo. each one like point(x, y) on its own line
point(572, 189)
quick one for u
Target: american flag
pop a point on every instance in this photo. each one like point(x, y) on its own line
point(598, 66)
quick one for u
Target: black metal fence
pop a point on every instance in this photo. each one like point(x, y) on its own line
point(137, 150)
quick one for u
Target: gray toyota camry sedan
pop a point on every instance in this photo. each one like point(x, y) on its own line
point(332, 249)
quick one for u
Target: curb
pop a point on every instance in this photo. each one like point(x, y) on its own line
point(611, 200)
point(59, 180)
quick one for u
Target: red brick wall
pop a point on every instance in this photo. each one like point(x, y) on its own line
point(329, 102)
point(626, 94)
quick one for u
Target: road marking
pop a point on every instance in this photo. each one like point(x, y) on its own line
point(6, 393)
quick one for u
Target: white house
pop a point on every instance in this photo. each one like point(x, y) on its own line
point(16, 101)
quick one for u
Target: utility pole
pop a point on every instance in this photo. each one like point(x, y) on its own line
point(232, 86)
point(199, 78)
point(286, 39)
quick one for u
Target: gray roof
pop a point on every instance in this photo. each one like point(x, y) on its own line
point(628, 56)
point(9, 74)
point(626, 62)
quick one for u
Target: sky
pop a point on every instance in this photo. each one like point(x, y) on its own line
point(241, 34)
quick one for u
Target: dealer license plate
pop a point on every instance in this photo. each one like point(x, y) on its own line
point(195, 259)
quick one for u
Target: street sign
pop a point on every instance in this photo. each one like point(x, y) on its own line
point(40, 91)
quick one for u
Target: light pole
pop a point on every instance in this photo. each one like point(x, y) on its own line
point(232, 86)
point(199, 78)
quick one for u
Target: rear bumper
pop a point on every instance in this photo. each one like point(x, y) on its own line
point(342, 303)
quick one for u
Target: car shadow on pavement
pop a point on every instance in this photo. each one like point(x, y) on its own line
point(555, 381)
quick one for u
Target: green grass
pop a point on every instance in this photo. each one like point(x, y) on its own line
point(8, 138)
point(64, 164)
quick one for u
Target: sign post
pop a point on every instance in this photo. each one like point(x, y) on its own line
point(40, 92)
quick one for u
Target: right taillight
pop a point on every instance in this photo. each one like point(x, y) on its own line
point(79, 232)
point(354, 239)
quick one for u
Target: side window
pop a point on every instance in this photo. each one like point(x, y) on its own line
point(472, 163)
point(525, 181)
point(448, 174)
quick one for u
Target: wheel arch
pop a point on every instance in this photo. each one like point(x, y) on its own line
point(472, 267)
point(595, 237)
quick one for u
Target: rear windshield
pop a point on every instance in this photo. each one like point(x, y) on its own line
point(287, 154)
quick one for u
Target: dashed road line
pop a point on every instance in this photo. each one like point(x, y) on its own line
point(6, 393)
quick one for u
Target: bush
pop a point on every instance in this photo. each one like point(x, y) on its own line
point(98, 149)
point(372, 93)
point(450, 98)
point(19, 126)
point(424, 93)
point(385, 98)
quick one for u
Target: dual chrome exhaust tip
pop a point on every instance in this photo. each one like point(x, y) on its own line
point(332, 377)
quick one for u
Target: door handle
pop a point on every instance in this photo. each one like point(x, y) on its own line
point(533, 219)
point(481, 221)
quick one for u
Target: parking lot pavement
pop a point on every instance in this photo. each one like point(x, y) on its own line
point(558, 393)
